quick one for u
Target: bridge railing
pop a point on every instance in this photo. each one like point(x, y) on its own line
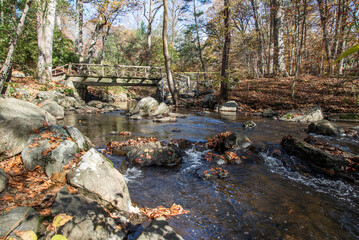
point(118, 71)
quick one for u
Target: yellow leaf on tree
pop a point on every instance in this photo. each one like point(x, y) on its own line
point(60, 220)
point(26, 235)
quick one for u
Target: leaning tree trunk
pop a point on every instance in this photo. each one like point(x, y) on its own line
point(167, 56)
point(225, 55)
point(94, 38)
point(5, 74)
point(46, 14)
point(79, 43)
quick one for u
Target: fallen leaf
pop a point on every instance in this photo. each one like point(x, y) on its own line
point(26, 235)
point(72, 190)
point(60, 220)
point(59, 237)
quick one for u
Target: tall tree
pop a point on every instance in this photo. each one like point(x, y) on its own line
point(226, 50)
point(45, 18)
point(79, 44)
point(166, 55)
point(260, 36)
point(6, 69)
point(278, 34)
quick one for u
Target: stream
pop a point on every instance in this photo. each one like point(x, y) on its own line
point(257, 201)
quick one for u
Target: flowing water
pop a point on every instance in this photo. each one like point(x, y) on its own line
point(257, 201)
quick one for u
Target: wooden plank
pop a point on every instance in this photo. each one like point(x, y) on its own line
point(120, 77)
point(118, 84)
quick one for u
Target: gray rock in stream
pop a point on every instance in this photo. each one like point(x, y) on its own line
point(18, 119)
point(325, 127)
point(90, 220)
point(310, 114)
point(145, 106)
point(96, 175)
point(3, 180)
point(159, 229)
point(52, 148)
point(8, 220)
point(53, 108)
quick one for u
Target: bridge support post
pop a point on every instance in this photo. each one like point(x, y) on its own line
point(82, 90)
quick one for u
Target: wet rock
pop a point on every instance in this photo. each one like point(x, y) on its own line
point(53, 108)
point(3, 180)
point(249, 124)
point(163, 108)
point(236, 141)
point(96, 175)
point(212, 173)
point(325, 127)
point(52, 148)
point(159, 229)
point(268, 113)
point(12, 219)
point(90, 220)
point(95, 103)
point(317, 159)
point(177, 115)
point(136, 117)
point(230, 106)
point(145, 106)
point(209, 101)
point(151, 154)
point(18, 119)
point(304, 115)
point(165, 119)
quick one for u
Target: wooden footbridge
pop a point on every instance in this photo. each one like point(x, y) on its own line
point(83, 75)
point(111, 75)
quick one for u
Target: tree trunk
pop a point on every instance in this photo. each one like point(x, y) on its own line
point(226, 49)
point(257, 21)
point(46, 14)
point(324, 15)
point(5, 74)
point(279, 51)
point(94, 38)
point(2, 12)
point(104, 40)
point(199, 47)
point(79, 43)
point(149, 33)
point(166, 55)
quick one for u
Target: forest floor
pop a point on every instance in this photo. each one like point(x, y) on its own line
point(333, 95)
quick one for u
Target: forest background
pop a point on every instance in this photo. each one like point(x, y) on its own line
point(225, 40)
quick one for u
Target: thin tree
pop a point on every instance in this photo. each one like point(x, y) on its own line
point(166, 55)
point(79, 43)
point(151, 16)
point(226, 49)
point(5, 74)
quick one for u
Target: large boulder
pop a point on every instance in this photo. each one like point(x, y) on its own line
point(325, 127)
point(145, 106)
point(159, 229)
point(90, 220)
point(3, 180)
point(230, 106)
point(53, 108)
point(163, 108)
point(318, 159)
point(53, 148)
point(311, 114)
point(209, 101)
point(19, 219)
point(151, 154)
point(96, 175)
point(18, 119)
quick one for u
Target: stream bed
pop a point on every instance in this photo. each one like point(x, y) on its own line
point(257, 201)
